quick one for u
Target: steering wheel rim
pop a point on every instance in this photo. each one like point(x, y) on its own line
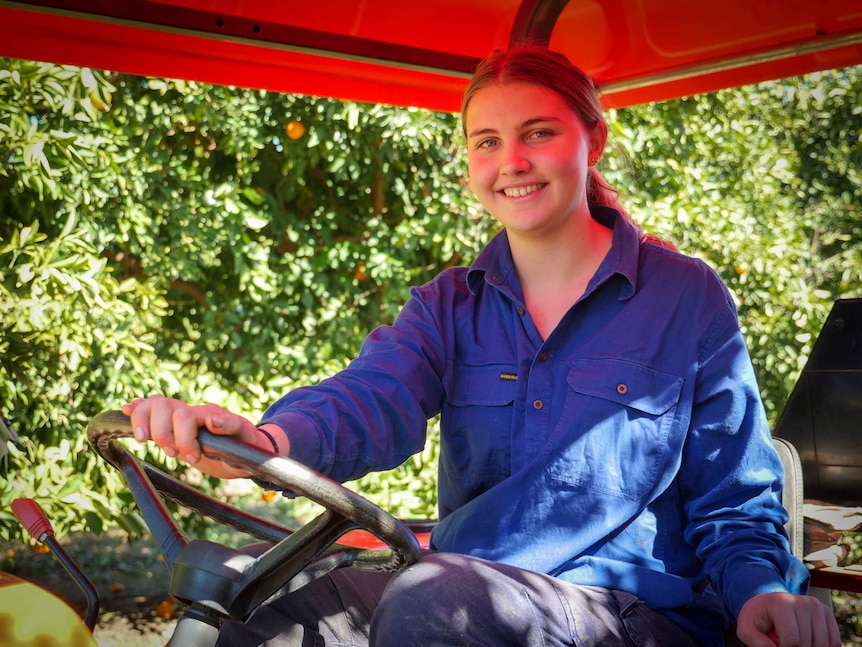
point(296, 559)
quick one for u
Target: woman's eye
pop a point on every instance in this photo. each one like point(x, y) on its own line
point(487, 143)
point(539, 134)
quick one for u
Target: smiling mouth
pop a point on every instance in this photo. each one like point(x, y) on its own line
point(521, 191)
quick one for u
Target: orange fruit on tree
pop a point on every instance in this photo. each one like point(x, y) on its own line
point(294, 129)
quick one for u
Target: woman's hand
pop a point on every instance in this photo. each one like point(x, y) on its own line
point(173, 425)
point(781, 619)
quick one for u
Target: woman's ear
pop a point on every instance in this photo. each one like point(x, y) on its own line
point(597, 139)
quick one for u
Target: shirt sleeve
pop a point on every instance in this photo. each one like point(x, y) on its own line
point(373, 414)
point(732, 474)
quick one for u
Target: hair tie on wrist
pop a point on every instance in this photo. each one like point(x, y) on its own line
point(271, 439)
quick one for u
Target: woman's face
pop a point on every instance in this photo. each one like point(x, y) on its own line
point(528, 156)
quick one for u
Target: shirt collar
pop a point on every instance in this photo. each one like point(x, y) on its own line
point(494, 264)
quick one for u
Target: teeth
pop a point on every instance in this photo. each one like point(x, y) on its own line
point(520, 191)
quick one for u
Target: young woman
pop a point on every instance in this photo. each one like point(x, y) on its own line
point(606, 472)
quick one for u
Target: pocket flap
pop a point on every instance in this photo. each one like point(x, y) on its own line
point(627, 383)
point(488, 385)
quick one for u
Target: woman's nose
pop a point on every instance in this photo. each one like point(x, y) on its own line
point(515, 161)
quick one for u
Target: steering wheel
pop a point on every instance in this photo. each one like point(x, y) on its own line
point(220, 582)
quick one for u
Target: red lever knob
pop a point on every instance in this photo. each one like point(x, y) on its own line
point(32, 518)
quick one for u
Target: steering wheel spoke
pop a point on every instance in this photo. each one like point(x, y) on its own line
point(169, 537)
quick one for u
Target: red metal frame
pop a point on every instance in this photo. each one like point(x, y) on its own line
point(848, 578)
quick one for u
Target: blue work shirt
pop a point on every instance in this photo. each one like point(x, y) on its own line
point(628, 450)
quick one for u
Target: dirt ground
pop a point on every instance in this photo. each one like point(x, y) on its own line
point(132, 581)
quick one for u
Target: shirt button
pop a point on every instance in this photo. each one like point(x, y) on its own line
point(538, 404)
point(622, 389)
point(543, 357)
point(521, 311)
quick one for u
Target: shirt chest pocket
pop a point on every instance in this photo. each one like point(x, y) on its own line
point(492, 385)
point(477, 419)
point(613, 435)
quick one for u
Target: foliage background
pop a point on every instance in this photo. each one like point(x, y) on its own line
point(222, 244)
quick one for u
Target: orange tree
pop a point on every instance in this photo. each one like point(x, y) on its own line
point(202, 242)
point(226, 245)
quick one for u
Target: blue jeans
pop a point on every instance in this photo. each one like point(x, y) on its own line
point(447, 599)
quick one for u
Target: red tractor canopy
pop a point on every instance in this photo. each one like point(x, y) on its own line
point(421, 53)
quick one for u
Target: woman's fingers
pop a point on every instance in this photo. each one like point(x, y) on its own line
point(186, 420)
point(132, 409)
point(173, 425)
point(157, 420)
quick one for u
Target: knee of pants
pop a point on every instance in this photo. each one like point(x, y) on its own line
point(421, 599)
point(447, 599)
point(418, 584)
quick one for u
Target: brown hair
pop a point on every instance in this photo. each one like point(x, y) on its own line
point(540, 66)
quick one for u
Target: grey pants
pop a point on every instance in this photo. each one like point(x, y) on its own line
point(447, 599)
